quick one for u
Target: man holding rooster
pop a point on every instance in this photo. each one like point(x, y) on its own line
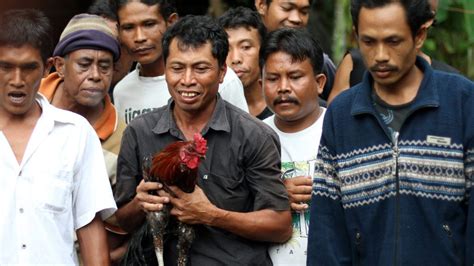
point(239, 204)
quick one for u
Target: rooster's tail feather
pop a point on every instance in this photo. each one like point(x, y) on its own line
point(139, 251)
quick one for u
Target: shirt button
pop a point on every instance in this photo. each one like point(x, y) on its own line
point(21, 210)
point(23, 246)
point(204, 177)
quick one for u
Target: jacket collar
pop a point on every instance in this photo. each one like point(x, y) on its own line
point(427, 96)
point(218, 121)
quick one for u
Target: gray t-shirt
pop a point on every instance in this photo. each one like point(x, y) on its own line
point(241, 173)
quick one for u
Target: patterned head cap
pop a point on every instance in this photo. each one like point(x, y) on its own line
point(86, 31)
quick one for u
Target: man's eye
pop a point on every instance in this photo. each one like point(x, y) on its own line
point(394, 41)
point(6, 67)
point(149, 24)
point(246, 47)
point(367, 42)
point(105, 66)
point(31, 67)
point(126, 27)
point(201, 69)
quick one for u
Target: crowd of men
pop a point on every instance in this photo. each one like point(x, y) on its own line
point(382, 175)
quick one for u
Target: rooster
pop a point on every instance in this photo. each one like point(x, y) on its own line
point(176, 165)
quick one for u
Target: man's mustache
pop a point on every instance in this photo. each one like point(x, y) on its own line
point(383, 67)
point(286, 99)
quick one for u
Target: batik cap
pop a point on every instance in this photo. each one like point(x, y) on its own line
point(86, 31)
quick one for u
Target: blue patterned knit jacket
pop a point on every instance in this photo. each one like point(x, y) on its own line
point(404, 201)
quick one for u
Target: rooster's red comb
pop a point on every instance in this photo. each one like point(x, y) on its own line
point(200, 144)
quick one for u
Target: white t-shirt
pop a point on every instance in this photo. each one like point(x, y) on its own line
point(298, 154)
point(135, 95)
point(58, 188)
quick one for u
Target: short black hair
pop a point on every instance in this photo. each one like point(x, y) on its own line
point(297, 43)
point(167, 7)
point(243, 17)
point(104, 9)
point(417, 12)
point(270, 1)
point(26, 27)
point(196, 31)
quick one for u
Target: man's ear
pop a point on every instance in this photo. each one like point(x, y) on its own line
point(172, 19)
point(354, 31)
point(59, 64)
point(261, 7)
point(47, 66)
point(320, 82)
point(421, 36)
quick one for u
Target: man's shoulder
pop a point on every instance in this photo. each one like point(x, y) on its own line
point(148, 120)
point(451, 85)
point(129, 79)
point(67, 117)
point(247, 123)
point(346, 98)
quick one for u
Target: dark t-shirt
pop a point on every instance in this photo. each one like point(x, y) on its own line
point(241, 173)
point(393, 116)
point(265, 113)
point(329, 69)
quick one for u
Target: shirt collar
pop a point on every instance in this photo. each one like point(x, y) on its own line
point(218, 121)
point(49, 113)
point(427, 96)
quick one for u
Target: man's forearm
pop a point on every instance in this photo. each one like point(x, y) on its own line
point(263, 225)
point(130, 216)
point(93, 243)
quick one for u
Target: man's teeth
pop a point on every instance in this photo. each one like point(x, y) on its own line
point(189, 94)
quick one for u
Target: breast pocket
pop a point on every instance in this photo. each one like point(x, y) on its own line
point(53, 192)
point(227, 192)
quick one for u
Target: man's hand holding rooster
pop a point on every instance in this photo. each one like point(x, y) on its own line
point(191, 208)
point(147, 198)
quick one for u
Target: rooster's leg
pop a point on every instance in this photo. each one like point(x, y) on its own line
point(185, 239)
point(158, 222)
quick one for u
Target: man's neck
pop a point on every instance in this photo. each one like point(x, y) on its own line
point(18, 129)
point(255, 100)
point(28, 118)
point(300, 124)
point(403, 91)
point(63, 100)
point(193, 122)
point(154, 69)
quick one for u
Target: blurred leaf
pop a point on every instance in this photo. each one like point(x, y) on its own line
point(429, 45)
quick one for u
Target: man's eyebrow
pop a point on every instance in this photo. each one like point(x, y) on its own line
point(30, 65)
point(85, 58)
point(105, 60)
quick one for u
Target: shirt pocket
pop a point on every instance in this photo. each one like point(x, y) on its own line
point(225, 191)
point(53, 192)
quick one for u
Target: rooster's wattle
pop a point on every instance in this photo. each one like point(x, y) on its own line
point(176, 165)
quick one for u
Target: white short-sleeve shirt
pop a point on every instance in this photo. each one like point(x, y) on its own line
point(58, 188)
